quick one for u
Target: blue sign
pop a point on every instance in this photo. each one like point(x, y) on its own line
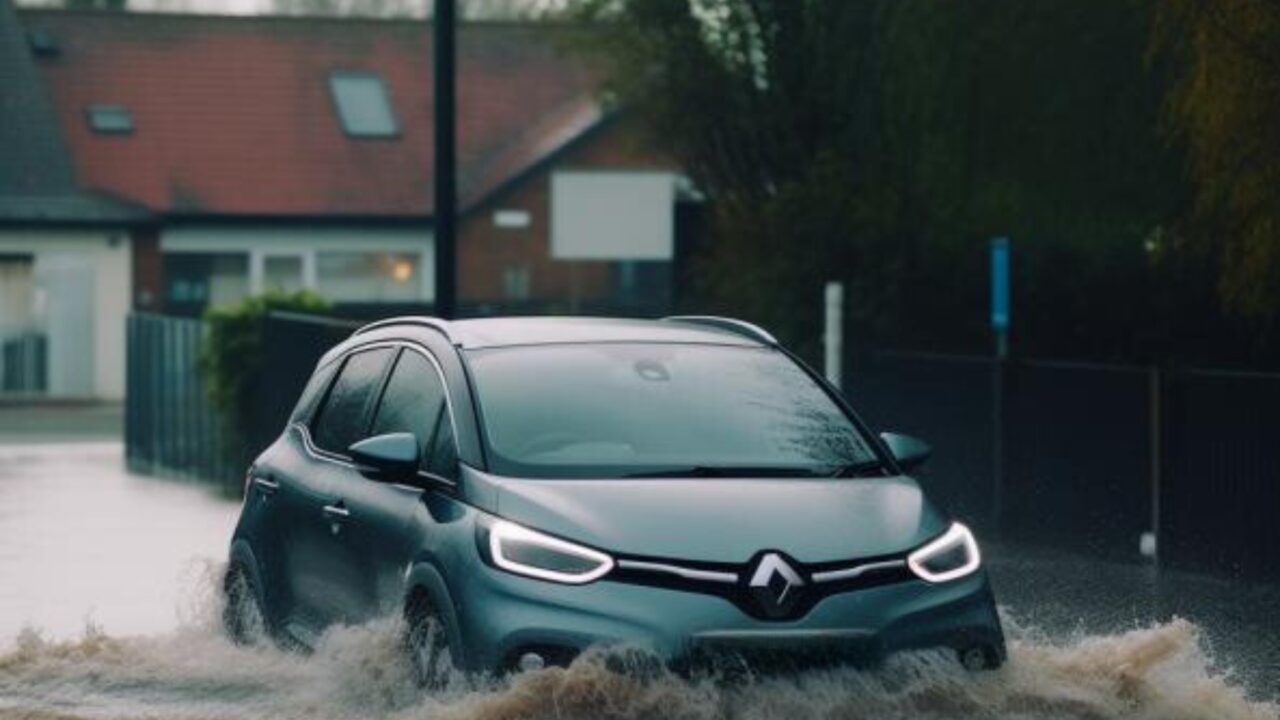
point(1000, 284)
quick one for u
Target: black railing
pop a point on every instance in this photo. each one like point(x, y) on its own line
point(170, 426)
point(1094, 456)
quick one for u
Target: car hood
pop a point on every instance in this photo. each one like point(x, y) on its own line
point(725, 520)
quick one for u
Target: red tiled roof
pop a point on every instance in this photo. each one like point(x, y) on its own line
point(234, 116)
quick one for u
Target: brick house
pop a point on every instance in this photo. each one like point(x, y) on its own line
point(241, 154)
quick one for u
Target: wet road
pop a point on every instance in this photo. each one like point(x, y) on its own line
point(82, 541)
point(84, 544)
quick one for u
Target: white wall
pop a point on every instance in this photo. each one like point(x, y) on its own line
point(304, 240)
point(612, 215)
point(105, 257)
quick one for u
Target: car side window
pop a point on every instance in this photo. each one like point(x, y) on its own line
point(414, 401)
point(313, 393)
point(443, 460)
point(344, 415)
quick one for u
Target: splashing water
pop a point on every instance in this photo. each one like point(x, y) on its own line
point(1160, 672)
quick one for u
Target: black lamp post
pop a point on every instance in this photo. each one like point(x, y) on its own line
point(446, 196)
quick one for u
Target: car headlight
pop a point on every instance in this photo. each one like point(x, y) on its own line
point(522, 551)
point(950, 556)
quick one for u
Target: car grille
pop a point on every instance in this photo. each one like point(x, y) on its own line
point(770, 586)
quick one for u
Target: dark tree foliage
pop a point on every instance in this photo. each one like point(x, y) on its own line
point(883, 142)
point(1225, 107)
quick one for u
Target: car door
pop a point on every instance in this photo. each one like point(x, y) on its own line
point(378, 542)
point(277, 483)
point(315, 516)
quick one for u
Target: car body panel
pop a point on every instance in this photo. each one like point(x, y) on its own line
point(374, 545)
point(504, 613)
point(506, 332)
point(295, 538)
point(728, 520)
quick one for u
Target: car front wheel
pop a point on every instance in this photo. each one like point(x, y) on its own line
point(427, 643)
point(242, 615)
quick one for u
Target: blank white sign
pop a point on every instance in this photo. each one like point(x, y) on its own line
point(612, 215)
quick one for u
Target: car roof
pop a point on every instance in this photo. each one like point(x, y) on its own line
point(512, 331)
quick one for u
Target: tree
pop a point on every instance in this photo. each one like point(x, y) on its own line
point(1225, 108)
point(883, 143)
point(772, 107)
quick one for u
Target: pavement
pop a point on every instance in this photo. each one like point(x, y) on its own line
point(43, 422)
point(85, 542)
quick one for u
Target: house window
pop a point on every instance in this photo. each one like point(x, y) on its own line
point(110, 119)
point(369, 276)
point(363, 106)
point(17, 291)
point(516, 282)
point(197, 281)
point(282, 273)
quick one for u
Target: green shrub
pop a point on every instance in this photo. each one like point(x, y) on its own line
point(231, 358)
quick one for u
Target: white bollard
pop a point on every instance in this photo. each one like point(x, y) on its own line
point(1147, 545)
point(833, 334)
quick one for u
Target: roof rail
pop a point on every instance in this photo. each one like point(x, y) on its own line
point(738, 327)
point(421, 320)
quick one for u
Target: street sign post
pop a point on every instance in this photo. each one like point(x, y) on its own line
point(1000, 299)
point(1000, 315)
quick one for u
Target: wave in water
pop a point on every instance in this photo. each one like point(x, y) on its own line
point(1160, 672)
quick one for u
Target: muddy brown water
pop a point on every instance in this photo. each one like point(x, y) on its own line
point(1160, 673)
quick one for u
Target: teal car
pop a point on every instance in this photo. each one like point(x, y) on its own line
point(521, 489)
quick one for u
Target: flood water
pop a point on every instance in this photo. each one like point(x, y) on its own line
point(108, 610)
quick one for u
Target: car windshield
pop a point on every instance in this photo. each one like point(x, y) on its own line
point(647, 409)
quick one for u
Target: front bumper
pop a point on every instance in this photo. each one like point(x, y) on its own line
point(502, 616)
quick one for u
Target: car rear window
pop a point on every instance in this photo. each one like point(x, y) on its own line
point(620, 409)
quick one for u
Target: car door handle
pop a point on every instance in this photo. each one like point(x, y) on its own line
point(336, 512)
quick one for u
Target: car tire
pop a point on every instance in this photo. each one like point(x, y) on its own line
point(243, 617)
point(978, 658)
point(427, 643)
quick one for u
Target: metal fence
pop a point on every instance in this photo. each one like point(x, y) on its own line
point(1220, 486)
point(170, 426)
point(291, 346)
point(24, 355)
point(1090, 457)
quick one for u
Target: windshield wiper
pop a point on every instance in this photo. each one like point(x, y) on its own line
point(717, 471)
point(865, 468)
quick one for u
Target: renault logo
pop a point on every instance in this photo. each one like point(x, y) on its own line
point(775, 585)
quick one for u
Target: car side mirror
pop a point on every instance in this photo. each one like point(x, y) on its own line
point(393, 456)
point(909, 452)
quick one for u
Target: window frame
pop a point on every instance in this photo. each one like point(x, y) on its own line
point(312, 398)
point(336, 76)
point(375, 405)
point(318, 412)
point(428, 442)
